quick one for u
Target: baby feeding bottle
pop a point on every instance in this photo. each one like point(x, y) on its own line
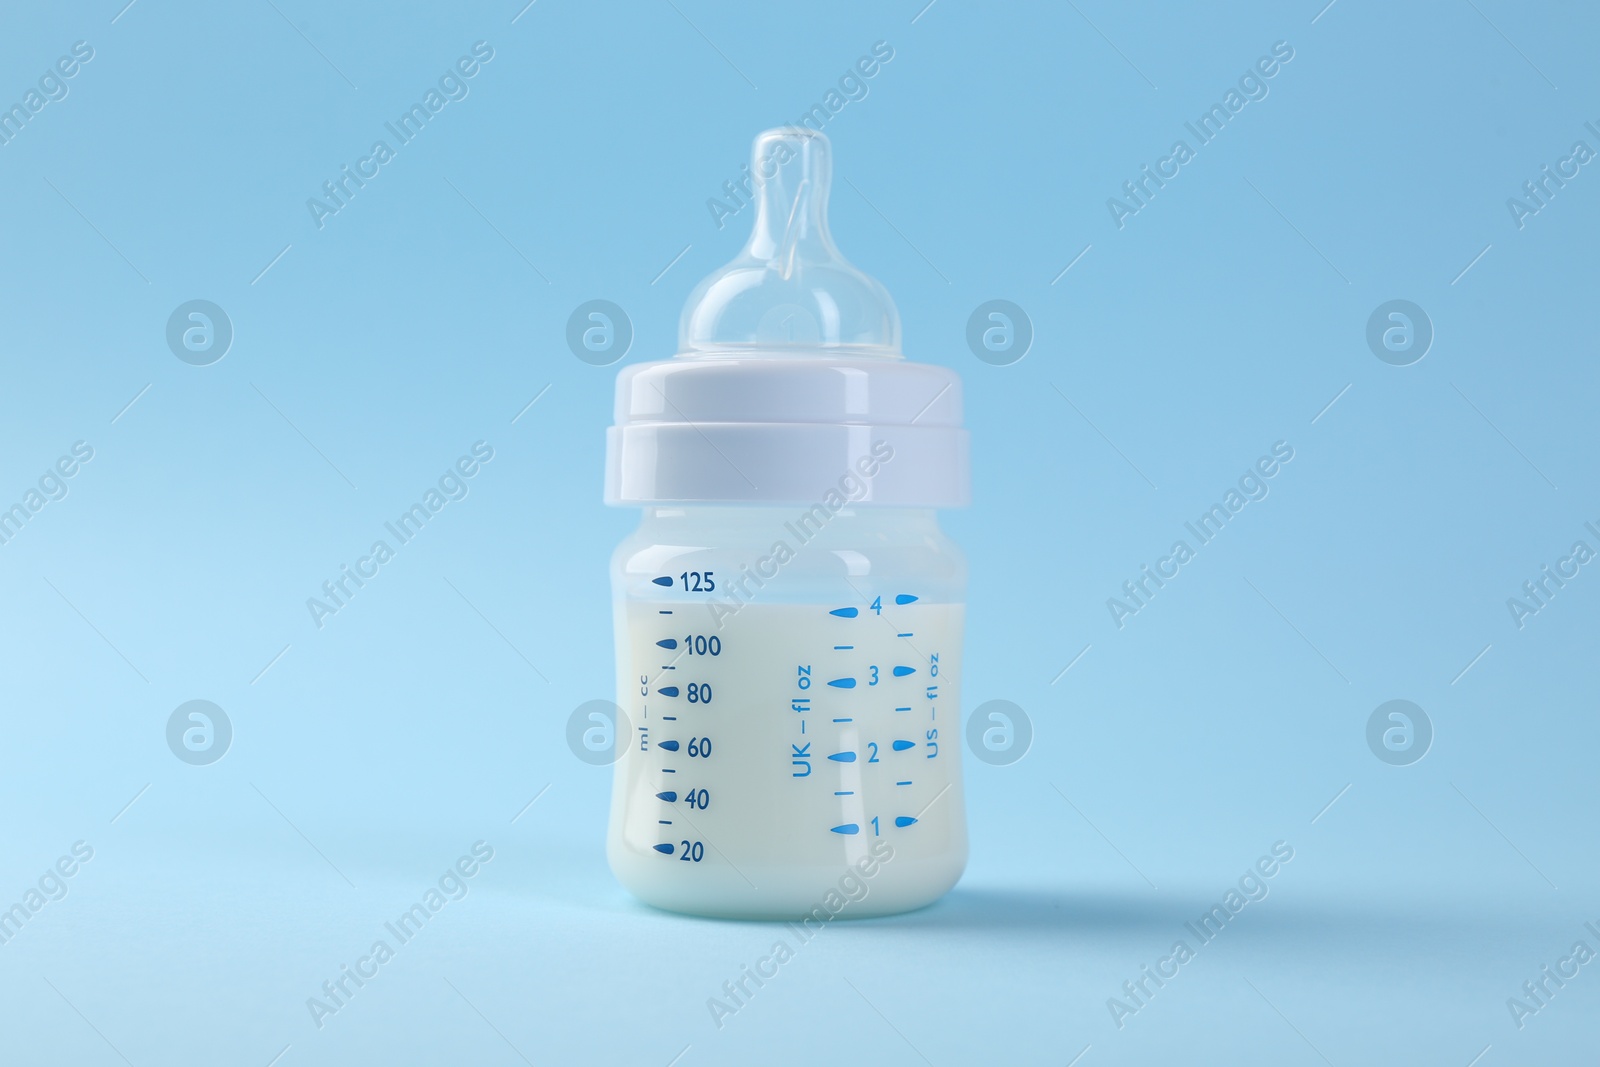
point(788, 613)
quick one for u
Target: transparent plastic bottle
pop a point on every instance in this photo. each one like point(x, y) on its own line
point(788, 614)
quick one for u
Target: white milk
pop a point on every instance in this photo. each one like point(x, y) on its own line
point(788, 461)
point(769, 755)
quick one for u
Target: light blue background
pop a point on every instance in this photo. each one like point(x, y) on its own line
point(1225, 316)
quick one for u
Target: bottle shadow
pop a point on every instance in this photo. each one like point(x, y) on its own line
point(1032, 913)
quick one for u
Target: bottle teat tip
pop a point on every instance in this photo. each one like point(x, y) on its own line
point(789, 291)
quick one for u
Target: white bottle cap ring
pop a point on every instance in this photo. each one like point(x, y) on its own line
point(789, 385)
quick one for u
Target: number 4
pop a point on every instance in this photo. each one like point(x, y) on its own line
point(877, 605)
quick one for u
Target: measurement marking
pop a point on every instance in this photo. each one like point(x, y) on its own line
point(669, 718)
point(845, 613)
point(905, 598)
point(843, 757)
point(846, 719)
point(845, 793)
point(903, 672)
point(906, 635)
point(903, 820)
point(843, 683)
point(664, 581)
point(669, 644)
point(668, 667)
point(669, 796)
point(664, 613)
point(902, 709)
point(902, 746)
point(902, 783)
point(836, 648)
point(530, 803)
point(668, 770)
point(668, 690)
point(664, 849)
point(1331, 803)
point(664, 822)
point(670, 746)
point(1469, 666)
point(847, 828)
point(712, 845)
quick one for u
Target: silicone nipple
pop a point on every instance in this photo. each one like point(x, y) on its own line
point(789, 292)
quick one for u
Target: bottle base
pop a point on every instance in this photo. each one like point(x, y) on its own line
point(872, 887)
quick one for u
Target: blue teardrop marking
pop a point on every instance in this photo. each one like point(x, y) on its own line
point(847, 828)
point(903, 820)
point(669, 796)
point(664, 849)
point(670, 746)
point(843, 683)
point(842, 757)
point(905, 598)
point(671, 642)
point(845, 613)
point(899, 672)
point(668, 690)
point(662, 581)
point(901, 746)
